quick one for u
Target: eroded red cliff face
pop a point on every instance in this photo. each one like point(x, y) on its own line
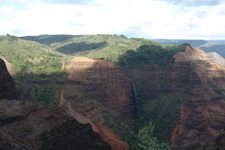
point(25, 126)
point(97, 91)
point(201, 116)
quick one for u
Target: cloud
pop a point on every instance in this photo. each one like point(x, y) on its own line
point(76, 2)
point(142, 18)
point(194, 3)
point(14, 2)
point(55, 2)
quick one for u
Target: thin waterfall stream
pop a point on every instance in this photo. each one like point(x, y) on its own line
point(137, 101)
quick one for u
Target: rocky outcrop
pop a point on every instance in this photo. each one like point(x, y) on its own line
point(25, 126)
point(201, 116)
point(11, 69)
point(97, 91)
point(7, 86)
point(217, 58)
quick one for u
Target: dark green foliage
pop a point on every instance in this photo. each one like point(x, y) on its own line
point(150, 54)
point(123, 36)
point(145, 41)
point(79, 47)
point(49, 39)
point(148, 141)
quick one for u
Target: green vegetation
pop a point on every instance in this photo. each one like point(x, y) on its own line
point(73, 48)
point(148, 141)
point(30, 56)
point(150, 54)
point(36, 65)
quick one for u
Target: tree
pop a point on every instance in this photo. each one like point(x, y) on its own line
point(148, 142)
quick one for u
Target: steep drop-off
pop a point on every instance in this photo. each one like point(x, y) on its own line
point(201, 117)
point(97, 92)
point(25, 126)
point(185, 100)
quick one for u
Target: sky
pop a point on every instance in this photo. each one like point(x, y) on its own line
point(150, 19)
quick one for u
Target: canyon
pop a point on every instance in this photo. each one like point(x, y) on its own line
point(195, 86)
point(106, 103)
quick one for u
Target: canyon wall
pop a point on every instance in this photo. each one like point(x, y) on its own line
point(201, 116)
point(97, 93)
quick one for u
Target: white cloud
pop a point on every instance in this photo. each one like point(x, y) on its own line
point(142, 18)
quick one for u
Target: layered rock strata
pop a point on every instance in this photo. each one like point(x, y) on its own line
point(25, 126)
point(97, 91)
point(201, 116)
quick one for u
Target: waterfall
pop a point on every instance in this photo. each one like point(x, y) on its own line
point(137, 101)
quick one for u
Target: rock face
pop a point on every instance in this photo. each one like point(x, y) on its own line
point(217, 144)
point(96, 91)
point(7, 86)
point(102, 81)
point(201, 116)
point(217, 58)
point(25, 126)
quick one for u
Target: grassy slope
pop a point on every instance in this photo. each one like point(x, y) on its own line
point(38, 68)
point(30, 55)
point(108, 47)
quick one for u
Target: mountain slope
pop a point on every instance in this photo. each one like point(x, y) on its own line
point(38, 69)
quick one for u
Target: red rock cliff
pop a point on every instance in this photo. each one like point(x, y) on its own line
point(25, 126)
point(202, 115)
point(96, 90)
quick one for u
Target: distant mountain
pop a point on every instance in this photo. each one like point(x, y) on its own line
point(217, 46)
point(195, 43)
point(217, 41)
point(213, 47)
